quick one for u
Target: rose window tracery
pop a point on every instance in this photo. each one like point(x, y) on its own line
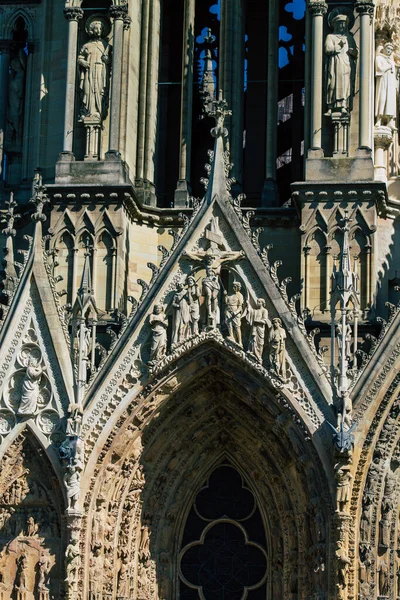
point(223, 552)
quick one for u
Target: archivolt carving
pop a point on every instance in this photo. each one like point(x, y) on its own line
point(30, 524)
point(140, 493)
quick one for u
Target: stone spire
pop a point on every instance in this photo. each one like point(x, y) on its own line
point(84, 321)
point(9, 231)
point(345, 298)
point(218, 183)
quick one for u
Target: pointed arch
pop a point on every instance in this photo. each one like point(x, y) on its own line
point(147, 476)
point(31, 506)
point(20, 13)
point(104, 270)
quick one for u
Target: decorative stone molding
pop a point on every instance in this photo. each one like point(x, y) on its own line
point(317, 7)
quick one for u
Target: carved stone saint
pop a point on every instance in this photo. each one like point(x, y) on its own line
point(31, 527)
point(234, 311)
point(342, 565)
point(277, 351)
point(193, 295)
point(72, 483)
point(94, 60)
point(181, 314)
point(123, 578)
point(159, 323)
point(383, 578)
point(16, 92)
point(30, 389)
point(43, 568)
point(258, 319)
point(22, 572)
point(341, 51)
point(144, 546)
point(347, 340)
point(211, 290)
point(385, 86)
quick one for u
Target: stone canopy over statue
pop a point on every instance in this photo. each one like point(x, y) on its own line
point(94, 61)
point(341, 53)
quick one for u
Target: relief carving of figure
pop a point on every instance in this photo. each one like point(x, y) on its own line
point(16, 99)
point(22, 571)
point(181, 314)
point(123, 578)
point(211, 290)
point(385, 86)
point(31, 527)
point(94, 61)
point(30, 389)
point(44, 569)
point(234, 311)
point(258, 319)
point(159, 323)
point(72, 562)
point(341, 51)
point(347, 340)
point(277, 352)
point(193, 294)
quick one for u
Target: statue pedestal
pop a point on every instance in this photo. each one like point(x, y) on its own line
point(383, 138)
point(93, 126)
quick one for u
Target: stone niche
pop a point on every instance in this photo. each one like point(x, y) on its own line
point(30, 525)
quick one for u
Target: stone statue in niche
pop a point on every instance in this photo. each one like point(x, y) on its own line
point(72, 484)
point(16, 93)
point(158, 323)
point(211, 291)
point(181, 314)
point(277, 350)
point(193, 295)
point(341, 52)
point(43, 570)
point(385, 86)
point(343, 481)
point(30, 388)
point(258, 320)
point(234, 311)
point(94, 61)
point(347, 340)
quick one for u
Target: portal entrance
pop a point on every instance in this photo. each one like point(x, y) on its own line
point(224, 550)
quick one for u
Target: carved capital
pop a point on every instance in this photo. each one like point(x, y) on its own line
point(73, 13)
point(118, 12)
point(317, 7)
point(365, 7)
point(127, 23)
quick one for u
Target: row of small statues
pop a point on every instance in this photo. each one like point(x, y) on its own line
point(186, 318)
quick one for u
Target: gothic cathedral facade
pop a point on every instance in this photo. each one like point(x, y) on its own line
point(199, 301)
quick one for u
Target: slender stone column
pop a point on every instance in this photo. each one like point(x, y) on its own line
point(118, 13)
point(73, 15)
point(272, 103)
point(365, 8)
point(182, 191)
point(4, 76)
point(318, 10)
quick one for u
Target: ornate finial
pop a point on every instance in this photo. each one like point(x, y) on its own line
point(10, 217)
point(218, 110)
point(39, 197)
